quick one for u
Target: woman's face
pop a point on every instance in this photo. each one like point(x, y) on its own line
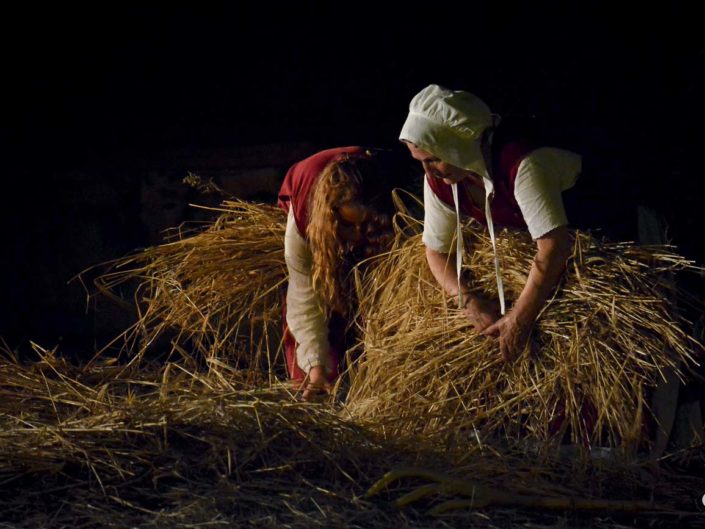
point(434, 166)
point(361, 226)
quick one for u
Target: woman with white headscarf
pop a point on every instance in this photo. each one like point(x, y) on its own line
point(514, 183)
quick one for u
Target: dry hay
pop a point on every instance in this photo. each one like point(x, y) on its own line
point(601, 342)
point(166, 447)
point(163, 446)
point(177, 446)
point(604, 339)
point(214, 292)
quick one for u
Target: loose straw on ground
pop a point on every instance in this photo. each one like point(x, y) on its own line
point(163, 446)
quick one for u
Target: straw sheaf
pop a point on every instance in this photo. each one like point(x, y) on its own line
point(599, 345)
point(216, 292)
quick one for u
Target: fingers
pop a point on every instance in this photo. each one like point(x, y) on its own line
point(310, 393)
point(315, 384)
point(314, 388)
point(480, 322)
point(506, 349)
point(314, 391)
point(512, 340)
point(491, 330)
point(512, 348)
point(503, 351)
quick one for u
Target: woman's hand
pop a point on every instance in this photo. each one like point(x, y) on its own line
point(513, 335)
point(552, 251)
point(316, 383)
point(481, 312)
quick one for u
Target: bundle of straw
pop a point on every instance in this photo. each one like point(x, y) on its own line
point(218, 290)
point(608, 334)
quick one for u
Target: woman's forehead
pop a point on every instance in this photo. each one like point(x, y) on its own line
point(420, 154)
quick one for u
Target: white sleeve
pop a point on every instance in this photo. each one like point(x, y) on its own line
point(541, 178)
point(304, 316)
point(439, 222)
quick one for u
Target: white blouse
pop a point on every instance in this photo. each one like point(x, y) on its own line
point(304, 314)
point(541, 178)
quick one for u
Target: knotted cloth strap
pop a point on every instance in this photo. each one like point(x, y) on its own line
point(460, 248)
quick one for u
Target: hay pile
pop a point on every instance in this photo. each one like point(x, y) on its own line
point(167, 446)
point(162, 446)
point(214, 292)
point(606, 337)
point(210, 437)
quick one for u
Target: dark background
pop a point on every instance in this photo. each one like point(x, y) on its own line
point(96, 95)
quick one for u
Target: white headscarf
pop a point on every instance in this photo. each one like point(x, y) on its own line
point(449, 124)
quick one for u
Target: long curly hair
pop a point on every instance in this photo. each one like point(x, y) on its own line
point(350, 178)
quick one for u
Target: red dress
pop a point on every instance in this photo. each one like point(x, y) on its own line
point(295, 193)
point(504, 207)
